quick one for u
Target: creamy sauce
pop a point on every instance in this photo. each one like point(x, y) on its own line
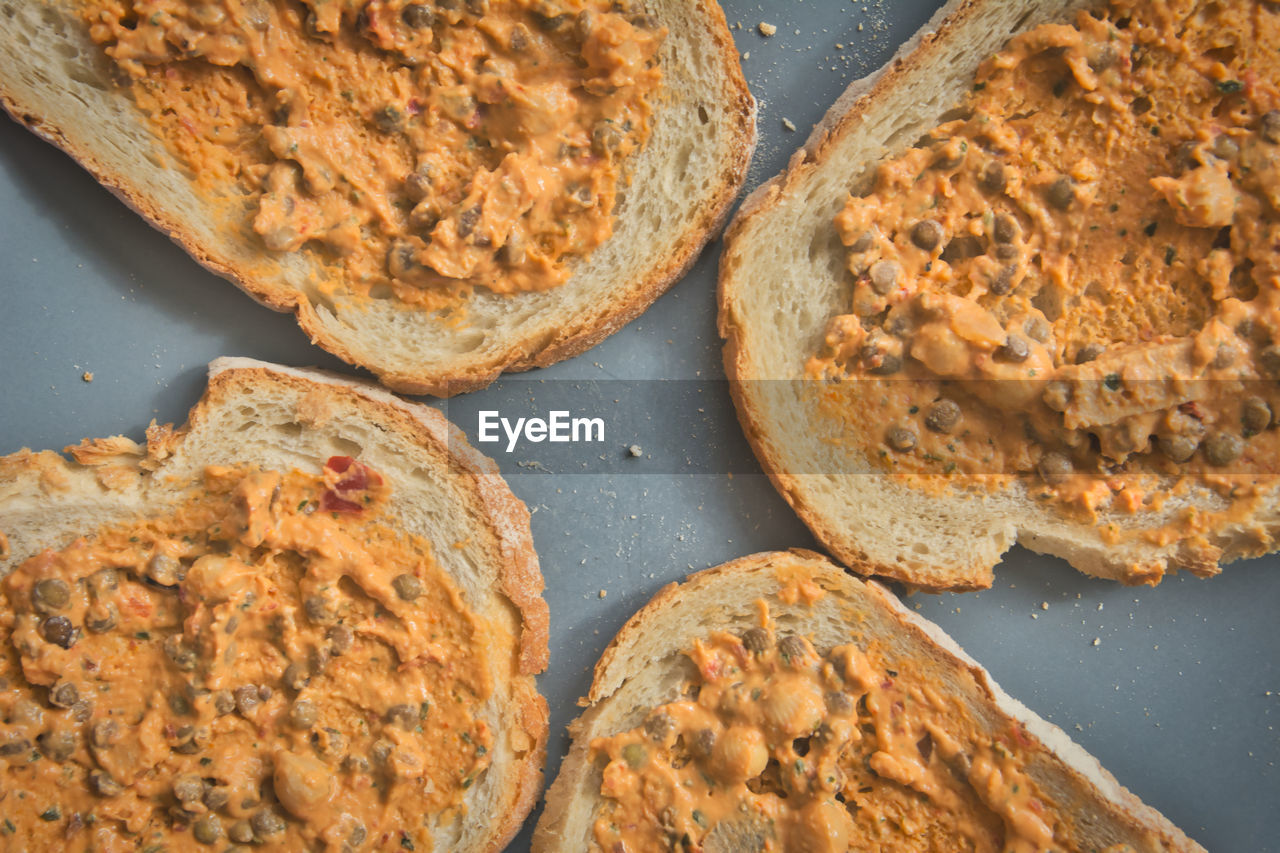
point(267, 664)
point(1078, 278)
point(418, 149)
point(776, 746)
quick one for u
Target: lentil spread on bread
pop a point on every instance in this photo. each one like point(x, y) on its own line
point(1081, 274)
point(776, 703)
point(256, 642)
point(1066, 293)
point(420, 148)
point(440, 191)
point(267, 663)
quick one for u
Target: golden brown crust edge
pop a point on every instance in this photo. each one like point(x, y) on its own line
point(520, 355)
point(1046, 743)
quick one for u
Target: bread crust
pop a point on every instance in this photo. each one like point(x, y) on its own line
point(118, 479)
point(945, 52)
point(574, 320)
point(648, 651)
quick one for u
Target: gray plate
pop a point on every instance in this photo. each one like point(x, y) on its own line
point(1179, 697)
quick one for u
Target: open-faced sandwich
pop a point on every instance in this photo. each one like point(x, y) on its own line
point(308, 619)
point(777, 703)
point(439, 190)
point(1023, 285)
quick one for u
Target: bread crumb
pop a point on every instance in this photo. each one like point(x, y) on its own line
point(1044, 605)
point(766, 30)
point(746, 55)
point(1097, 641)
point(789, 125)
point(88, 376)
point(603, 593)
point(635, 450)
point(1035, 615)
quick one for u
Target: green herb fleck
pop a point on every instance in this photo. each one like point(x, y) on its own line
point(142, 635)
point(51, 814)
point(1112, 382)
point(1169, 254)
point(1229, 87)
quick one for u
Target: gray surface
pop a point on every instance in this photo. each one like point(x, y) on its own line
point(1179, 699)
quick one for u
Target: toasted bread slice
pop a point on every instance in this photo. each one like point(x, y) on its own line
point(675, 195)
point(440, 490)
point(658, 654)
point(784, 275)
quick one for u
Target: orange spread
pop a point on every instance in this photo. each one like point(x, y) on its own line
point(418, 148)
point(1078, 277)
point(266, 664)
point(775, 746)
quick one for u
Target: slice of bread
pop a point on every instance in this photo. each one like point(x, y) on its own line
point(55, 80)
point(441, 490)
point(648, 665)
point(784, 275)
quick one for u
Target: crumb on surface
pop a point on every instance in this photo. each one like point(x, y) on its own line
point(788, 124)
point(603, 593)
point(766, 29)
point(87, 376)
point(635, 450)
point(1097, 641)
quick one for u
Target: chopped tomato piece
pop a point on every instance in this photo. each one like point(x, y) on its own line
point(330, 502)
point(339, 463)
